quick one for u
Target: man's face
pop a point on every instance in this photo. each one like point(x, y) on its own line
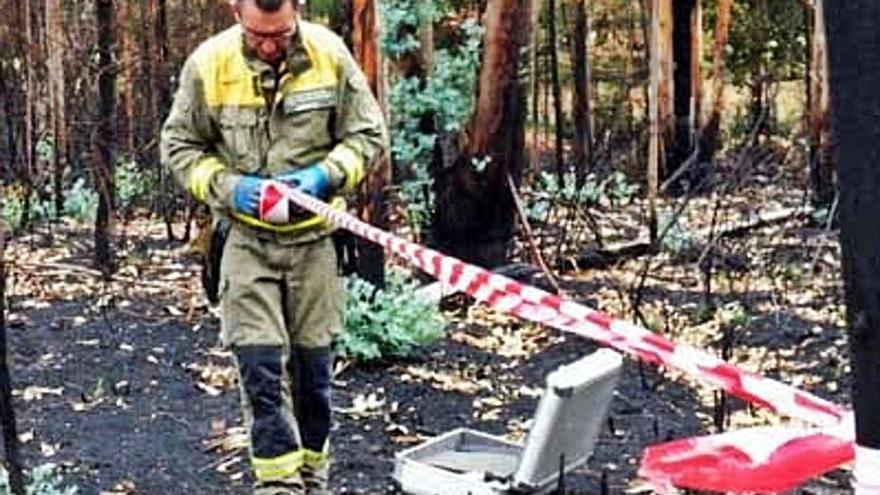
point(268, 34)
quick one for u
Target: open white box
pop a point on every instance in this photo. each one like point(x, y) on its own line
point(568, 420)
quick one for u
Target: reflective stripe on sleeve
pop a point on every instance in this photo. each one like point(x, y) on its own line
point(200, 177)
point(350, 161)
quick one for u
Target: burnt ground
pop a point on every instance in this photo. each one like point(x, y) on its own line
point(124, 386)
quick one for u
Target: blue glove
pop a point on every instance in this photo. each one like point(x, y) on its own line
point(263, 199)
point(246, 195)
point(312, 180)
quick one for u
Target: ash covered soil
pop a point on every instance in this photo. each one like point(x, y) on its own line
point(125, 387)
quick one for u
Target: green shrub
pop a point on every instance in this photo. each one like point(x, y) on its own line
point(13, 206)
point(677, 236)
point(44, 480)
point(81, 201)
point(389, 323)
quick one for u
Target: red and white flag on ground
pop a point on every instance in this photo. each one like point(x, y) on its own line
point(753, 460)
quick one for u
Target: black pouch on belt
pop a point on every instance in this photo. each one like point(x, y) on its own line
point(211, 261)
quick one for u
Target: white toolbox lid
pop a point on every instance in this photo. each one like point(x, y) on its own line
point(568, 419)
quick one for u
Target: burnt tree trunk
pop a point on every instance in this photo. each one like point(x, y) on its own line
point(105, 138)
point(710, 134)
point(685, 72)
point(55, 62)
point(7, 411)
point(534, 166)
point(126, 67)
point(854, 56)
point(662, 78)
point(28, 167)
point(583, 137)
point(9, 92)
point(821, 163)
point(475, 211)
point(558, 120)
point(161, 94)
point(372, 205)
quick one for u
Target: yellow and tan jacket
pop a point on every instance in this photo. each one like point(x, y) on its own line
point(221, 123)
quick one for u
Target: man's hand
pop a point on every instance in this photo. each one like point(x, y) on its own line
point(312, 180)
point(263, 199)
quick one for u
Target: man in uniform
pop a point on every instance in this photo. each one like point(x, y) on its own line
point(272, 104)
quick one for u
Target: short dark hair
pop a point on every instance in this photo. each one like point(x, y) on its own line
point(269, 5)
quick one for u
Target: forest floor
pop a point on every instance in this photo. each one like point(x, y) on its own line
point(124, 385)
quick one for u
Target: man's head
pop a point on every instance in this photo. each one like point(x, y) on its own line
point(268, 26)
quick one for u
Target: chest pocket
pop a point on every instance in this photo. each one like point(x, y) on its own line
point(307, 120)
point(241, 137)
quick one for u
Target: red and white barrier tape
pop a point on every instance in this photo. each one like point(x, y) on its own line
point(509, 296)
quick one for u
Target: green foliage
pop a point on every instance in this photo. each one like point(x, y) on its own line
point(81, 201)
point(402, 19)
point(44, 480)
point(45, 149)
point(615, 188)
point(389, 323)
point(131, 183)
point(619, 188)
point(446, 98)
point(768, 36)
point(13, 206)
point(421, 108)
point(676, 236)
point(417, 194)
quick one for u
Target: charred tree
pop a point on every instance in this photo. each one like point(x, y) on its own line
point(161, 94)
point(475, 210)
point(710, 133)
point(372, 204)
point(558, 119)
point(57, 106)
point(7, 411)
point(583, 136)
point(26, 176)
point(105, 138)
point(126, 68)
point(820, 159)
point(685, 73)
point(854, 56)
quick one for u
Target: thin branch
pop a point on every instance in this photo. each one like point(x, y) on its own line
point(536, 253)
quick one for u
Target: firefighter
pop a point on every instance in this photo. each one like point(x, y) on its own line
point(271, 104)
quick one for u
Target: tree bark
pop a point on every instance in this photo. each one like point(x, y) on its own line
point(534, 166)
point(372, 204)
point(57, 87)
point(658, 104)
point(583, 138)
point(821, 163)
point(126, 66)
point(662, 68)
point(475, 211)
point(558, 119)
point(686, 71)
point(7, 411)
point(709, 136)
point(854, 56)
point(105, 138)
point(161, 93)
point(27, 173)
